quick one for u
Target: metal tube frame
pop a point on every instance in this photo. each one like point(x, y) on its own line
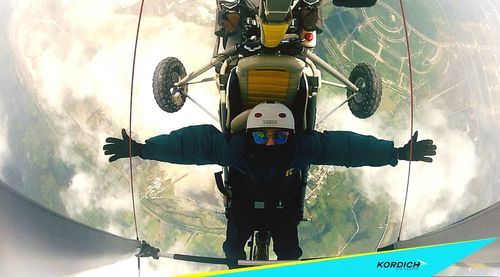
point(336, 108)
point(257, 263)
point(328, 68)
point(333, 84)
point(217, 260)
point(223, 95)
point(213, 62)
point(313, 96)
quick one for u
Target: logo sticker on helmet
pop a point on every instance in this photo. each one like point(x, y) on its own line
point(270, 121)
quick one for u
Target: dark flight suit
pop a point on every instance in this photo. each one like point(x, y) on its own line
point(274, 182)
point(274, 207)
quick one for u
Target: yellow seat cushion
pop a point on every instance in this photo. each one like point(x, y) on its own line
point(268, 78)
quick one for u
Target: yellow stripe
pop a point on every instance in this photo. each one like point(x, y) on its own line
point(269, 73)
point(268, 81)
point(270, 68)
point(272, 34)
point(264, 88)
point(270, 95)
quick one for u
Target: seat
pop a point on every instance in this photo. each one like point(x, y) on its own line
point(268, 78)
point(265, 77)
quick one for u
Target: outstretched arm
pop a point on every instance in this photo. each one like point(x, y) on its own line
point(202, 144)
point(353, 150)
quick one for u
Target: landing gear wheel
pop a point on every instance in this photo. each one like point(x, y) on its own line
point(262, 241)
point(367, 99)
point(168, 72)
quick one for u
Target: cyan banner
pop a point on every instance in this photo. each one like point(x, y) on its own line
point(420, 261)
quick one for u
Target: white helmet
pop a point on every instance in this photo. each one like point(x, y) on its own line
point(270, 115)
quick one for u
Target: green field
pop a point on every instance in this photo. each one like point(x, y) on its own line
point(333, 223)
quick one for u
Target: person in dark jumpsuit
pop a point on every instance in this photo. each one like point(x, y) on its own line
point(265, 163)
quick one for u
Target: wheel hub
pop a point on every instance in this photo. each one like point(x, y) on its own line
point(175, 91)
point(360, 84)
point(174, 77)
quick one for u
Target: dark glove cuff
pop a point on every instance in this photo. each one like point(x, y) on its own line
point(400, 153)
point(139, 149)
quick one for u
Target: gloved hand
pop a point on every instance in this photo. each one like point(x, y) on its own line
point(118, 148)
point(421, 150)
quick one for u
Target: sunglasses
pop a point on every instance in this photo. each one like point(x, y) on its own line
point(261, 137)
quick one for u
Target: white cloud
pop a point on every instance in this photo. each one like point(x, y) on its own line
point(79, 194)
point(74, 52)
point(117, 201)
point(81, 52)
point(439, 192)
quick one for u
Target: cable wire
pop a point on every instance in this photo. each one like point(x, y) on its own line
point(130, 120)
point(130, 131)
point(411, 115)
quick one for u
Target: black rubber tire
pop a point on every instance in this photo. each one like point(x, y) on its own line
point(366, 102)
point(169, 71)
point(262, 241)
